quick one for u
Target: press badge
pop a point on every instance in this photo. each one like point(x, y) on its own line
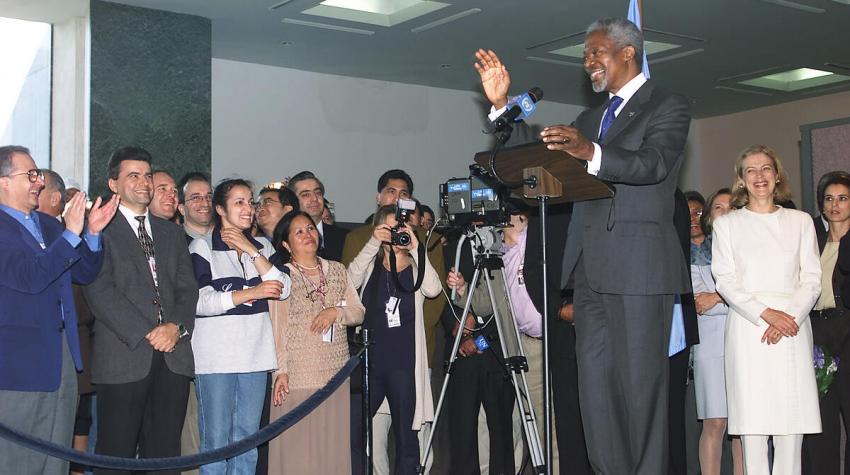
point(393, 318)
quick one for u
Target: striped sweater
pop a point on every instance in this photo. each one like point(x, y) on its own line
point(232, 338)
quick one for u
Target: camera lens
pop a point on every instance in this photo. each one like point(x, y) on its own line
point(400, 238)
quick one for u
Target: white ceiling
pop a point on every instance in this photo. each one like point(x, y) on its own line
point(721, 42)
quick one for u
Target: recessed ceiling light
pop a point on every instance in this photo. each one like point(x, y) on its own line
point(326, 26)
point(795, 6)
point(443, 21)
point(795, 79)
point(375, 12)
point(278, 5)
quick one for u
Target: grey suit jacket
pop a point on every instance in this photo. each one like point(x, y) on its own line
point(629, 242)
point(123, 300)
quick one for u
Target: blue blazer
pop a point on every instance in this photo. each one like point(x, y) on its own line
point(35, 292)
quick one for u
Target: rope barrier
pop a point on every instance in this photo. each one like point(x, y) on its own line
point(189, 461)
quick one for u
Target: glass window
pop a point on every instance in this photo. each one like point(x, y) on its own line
point(25, 86)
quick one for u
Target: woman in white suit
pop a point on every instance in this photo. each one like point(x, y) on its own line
point(766, 264)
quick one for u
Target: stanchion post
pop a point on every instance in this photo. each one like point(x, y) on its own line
point(367, 409)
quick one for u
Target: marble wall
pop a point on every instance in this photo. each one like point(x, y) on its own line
point(150, 87)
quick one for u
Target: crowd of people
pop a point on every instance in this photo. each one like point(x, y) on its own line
point(177, 317)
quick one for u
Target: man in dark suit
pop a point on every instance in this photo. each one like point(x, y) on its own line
point(311, 198)
point(623, 251)
point(39, 345)
point(144, 305)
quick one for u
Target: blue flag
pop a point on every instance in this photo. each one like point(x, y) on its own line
point(634, 17)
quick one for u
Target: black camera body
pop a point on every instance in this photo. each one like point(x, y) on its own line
point(399, 238)
point(404, 208)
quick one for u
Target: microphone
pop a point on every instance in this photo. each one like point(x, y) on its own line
point(523, 104)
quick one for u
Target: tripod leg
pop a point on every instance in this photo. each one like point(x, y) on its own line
point(515, 363)
point(453, 356)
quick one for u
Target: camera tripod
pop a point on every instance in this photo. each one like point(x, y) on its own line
point(485, 242)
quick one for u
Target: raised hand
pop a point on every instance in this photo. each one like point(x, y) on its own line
point(382, 233)
point(101, 213)
point(495, 78)
point(236, 240)
point(75, 213)
point(456, 281)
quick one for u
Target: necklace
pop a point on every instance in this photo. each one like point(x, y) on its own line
point(319, 289)
point(300, 267)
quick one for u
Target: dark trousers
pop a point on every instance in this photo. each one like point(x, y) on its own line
point(477, 382)
point(572, 450)
point(145, 416)
point(822, 452)
point(676, 423)
point(621, 349)
point(358, 446)
point(399, 388)
point(263, 449)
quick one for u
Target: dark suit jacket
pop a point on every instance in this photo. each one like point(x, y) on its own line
point(123, 300)
point(682, 221)
point(820, 229)
point(333, 240)
point(630, 239)
point(35, 293)
point(844, 266)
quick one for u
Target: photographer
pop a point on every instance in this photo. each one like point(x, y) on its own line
point(399, 370)
point(391, 186)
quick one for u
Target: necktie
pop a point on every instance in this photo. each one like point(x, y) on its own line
point(147, 246)
point(145, 238)
point(609, 117)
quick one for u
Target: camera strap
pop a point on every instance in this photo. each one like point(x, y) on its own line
point(420, 270)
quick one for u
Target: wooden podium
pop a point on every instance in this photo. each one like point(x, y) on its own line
point(546, 177)
point(558, 177)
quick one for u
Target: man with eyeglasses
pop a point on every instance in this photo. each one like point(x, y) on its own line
point(310, 192)
point(39, 345)
point(164, 202)
point(195, 205)
point(272, 204)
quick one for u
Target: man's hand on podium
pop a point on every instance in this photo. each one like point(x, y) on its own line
point(567, 139)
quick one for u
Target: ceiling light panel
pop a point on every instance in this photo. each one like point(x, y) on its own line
point(384, 13)
point(795, 79)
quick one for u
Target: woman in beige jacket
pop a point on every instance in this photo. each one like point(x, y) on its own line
point(399, 361)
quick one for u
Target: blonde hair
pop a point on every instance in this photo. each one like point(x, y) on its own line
point(740, 196)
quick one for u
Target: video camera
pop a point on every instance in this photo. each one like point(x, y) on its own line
point(473, 201)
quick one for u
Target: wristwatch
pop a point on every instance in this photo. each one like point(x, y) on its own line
point(182, 331)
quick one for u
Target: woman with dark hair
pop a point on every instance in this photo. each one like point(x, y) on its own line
point(312, 346)
point(233, 342)
point(831, 328)
point(394, 314)
point(765, 262)
point(709, 375)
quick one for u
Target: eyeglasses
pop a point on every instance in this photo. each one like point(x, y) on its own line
point(198, 199)
point(32, 175)
point(696, 213)
point(265, 203)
